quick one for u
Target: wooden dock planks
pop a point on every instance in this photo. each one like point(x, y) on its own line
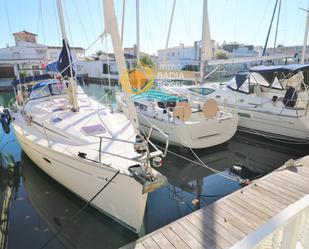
point(230, 219)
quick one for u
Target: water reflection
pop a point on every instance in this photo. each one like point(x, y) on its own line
point(192, 186)
point(9, 184)
point(34, 208)
point(56, 205)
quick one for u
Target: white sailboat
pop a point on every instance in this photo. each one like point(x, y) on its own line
point(271, 101)
point(195, 127)
point(84, 145)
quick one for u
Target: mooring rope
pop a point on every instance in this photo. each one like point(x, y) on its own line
point(79, 211)
point(200, 163)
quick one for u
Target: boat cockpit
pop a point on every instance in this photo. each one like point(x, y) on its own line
point(47, 88)
point(286, 83)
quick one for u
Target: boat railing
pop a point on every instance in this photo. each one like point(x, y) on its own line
point(145, 157)
point(152, 128)
point(289, 229)
point(156, 152)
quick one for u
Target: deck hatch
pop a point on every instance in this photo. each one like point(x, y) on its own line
point(93, 129)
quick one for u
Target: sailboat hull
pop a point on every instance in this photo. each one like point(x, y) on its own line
point(195, 135)
point(257, 114)
point(122, 199)
point(281, 127)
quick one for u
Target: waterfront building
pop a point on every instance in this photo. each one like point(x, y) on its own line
point(27, 57)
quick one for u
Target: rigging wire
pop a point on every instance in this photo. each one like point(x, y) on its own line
point(90, 18)
point(81, 22)
point(299, 24)
point(263, 21)
point(187, 28)
point(39, 17)
point(56, 20)
point(42, 17)
point(79, 211)
point(8, 19)
point(100, 8)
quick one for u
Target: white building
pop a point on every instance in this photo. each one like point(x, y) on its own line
point(181, 57)
point(237, 50)
point(28, 57)
point(102, 66)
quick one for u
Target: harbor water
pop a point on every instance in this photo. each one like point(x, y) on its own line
point(34, 207)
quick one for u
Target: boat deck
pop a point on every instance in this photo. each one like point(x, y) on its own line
point(230, 219)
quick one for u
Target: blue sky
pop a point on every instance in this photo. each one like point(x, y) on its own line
point(244, 21)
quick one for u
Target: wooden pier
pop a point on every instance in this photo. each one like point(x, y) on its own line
point(231, 219)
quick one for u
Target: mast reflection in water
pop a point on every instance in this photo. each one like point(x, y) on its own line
point(9, 183)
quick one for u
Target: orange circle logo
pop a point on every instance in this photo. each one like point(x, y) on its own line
point(141, 79)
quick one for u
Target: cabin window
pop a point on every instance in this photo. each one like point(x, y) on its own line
point(142, 107)
point(256, 78)
point(45, 89)
point(202, 90)
point(40, 92)
point(243, 88)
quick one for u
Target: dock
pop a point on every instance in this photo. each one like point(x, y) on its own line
point(272, 210)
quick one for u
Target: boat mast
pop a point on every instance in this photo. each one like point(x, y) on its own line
point(269, 29)
point(278, 18)
point(305, 38)
point(169, 32)
point(73, 93)
point(137, 34)
point(122, 20)
point(111, 27)
point(206, 47)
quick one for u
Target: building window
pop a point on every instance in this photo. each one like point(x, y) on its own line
point(105, 68)
point(173, 53)
point(54, 55)
point(16, 55)
point(35, 70)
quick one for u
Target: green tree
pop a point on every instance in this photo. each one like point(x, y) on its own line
point(221, 54)
point(99, 53)
point(147, 60)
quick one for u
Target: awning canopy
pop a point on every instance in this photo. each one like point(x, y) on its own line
point(44, 83)
point(241, 77)
point(291, 68)
point(280, 71)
